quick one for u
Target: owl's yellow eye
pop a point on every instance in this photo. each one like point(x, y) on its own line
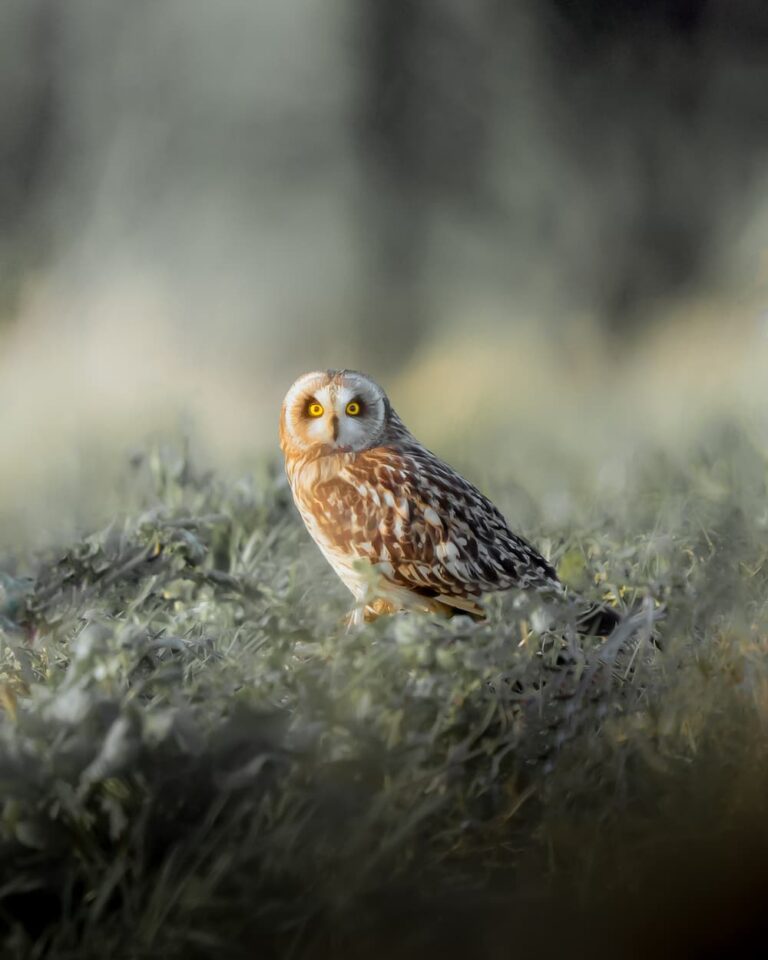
point(353, 408)
point(315, 409)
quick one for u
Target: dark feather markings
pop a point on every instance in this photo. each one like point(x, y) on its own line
point(453, 541)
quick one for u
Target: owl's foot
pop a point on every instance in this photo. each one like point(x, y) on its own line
point(369, 612)
point(379, 608)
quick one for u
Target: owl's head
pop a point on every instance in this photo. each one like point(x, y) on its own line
point(333, 410)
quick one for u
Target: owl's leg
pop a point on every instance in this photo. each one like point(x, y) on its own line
point(379, 608)
point(367, 613)
point(355, 618)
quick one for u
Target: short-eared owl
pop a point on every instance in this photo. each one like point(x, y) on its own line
point(400, 527)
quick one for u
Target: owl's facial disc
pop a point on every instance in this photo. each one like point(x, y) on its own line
point(336, 411)
point(359, 414)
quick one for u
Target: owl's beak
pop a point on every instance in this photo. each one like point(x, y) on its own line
point(335, 427)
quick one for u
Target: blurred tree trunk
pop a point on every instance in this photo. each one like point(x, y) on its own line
point(392, 215)
point(28, 36)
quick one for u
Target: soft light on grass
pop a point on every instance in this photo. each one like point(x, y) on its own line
point(196, 759)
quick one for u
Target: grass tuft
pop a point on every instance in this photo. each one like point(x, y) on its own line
point(196, 758)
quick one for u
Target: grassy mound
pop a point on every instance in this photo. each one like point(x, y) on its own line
point(197, 760)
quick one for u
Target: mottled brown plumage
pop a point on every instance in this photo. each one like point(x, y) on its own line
point(400, 527)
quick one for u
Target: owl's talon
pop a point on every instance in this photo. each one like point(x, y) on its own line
point(369, 612)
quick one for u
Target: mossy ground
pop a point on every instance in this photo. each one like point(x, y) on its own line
point(196, 759)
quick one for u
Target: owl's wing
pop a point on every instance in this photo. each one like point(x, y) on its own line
point(426, 528)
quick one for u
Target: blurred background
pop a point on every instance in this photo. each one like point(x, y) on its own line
point(541, 224)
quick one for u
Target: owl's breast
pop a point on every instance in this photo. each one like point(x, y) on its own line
point(328, 515)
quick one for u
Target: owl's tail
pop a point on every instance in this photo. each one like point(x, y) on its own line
point(589, 617)
point(593, 619)
point(597, 620)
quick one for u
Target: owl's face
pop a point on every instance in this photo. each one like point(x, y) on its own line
point(333, 410)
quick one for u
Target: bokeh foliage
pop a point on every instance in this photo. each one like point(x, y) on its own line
point(197, 759)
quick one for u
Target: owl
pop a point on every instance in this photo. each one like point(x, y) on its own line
point(402, 529)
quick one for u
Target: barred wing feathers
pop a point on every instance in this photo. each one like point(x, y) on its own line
point(425, 527)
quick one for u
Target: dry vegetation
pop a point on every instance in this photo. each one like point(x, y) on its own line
point(196, 760)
